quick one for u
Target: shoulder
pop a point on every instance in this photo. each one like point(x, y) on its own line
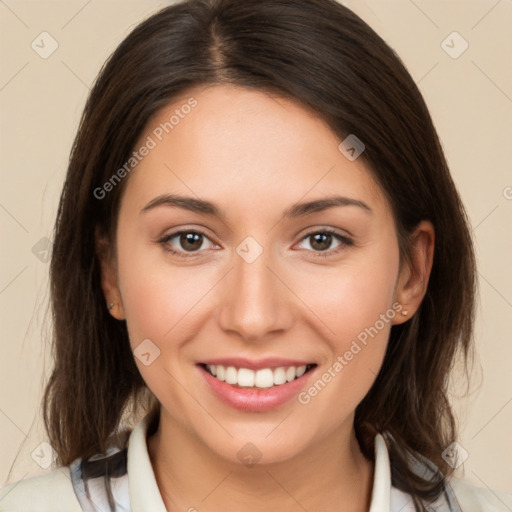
point(473, 498)
point(459, 495)
point(86, 484)
point(50, 492)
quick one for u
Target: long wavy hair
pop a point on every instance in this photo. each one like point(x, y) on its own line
point(323, 56)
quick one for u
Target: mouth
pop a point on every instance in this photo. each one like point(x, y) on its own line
point(266, 386)
point(263, 378)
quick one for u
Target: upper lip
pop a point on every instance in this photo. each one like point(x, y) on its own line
point(253, 364)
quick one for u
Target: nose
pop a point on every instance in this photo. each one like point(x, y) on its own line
point(255, 302)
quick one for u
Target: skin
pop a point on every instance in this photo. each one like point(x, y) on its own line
point(255, 155)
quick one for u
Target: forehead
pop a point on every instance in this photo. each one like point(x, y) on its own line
point(246, 147)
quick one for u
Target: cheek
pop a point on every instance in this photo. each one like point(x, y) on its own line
point(355, 314)
point(159, 304)
point(351, 297)
point(157, 297)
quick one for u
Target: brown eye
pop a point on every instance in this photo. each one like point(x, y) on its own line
point(187, 242)
point(321, 241)
point(190, 241)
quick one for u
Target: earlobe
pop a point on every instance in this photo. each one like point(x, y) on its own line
point(415, 272)
point(116, 310)
point(109, 283)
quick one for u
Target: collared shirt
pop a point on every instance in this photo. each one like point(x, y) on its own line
point(122, 480)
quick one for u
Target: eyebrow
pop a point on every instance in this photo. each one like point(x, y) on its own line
point(211, 209)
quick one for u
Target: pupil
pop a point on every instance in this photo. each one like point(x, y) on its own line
point(188, 239)
point(323, 246)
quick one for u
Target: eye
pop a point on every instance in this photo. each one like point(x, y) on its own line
point(190, 241)
point(321, 240)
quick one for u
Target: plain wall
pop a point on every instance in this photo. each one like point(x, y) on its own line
point(41, 100)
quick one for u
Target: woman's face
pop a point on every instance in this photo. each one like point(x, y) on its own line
point(258, 286)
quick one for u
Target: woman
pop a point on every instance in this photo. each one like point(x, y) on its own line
point(260, 246)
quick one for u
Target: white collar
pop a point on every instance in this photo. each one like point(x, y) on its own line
point(145, 495)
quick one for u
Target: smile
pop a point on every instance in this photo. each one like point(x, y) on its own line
point(262, 378)
point(266, 386)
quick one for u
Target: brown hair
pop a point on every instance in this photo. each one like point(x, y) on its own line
point(318, 53)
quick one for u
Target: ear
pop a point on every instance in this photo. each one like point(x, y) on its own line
point(415, 271)
point(109, 281)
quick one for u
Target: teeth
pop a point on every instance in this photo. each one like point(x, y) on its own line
point(231, 376)
point(301, 370)
point(245, 378)
point(264, 378)
point(279, 376)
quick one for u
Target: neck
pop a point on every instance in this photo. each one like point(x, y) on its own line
point(191, 476)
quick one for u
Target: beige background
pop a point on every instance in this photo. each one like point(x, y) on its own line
point(470, 98)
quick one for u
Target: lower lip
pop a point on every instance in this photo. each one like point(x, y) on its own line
point(255, 399)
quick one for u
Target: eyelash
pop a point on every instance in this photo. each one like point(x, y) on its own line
point(345, 242)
